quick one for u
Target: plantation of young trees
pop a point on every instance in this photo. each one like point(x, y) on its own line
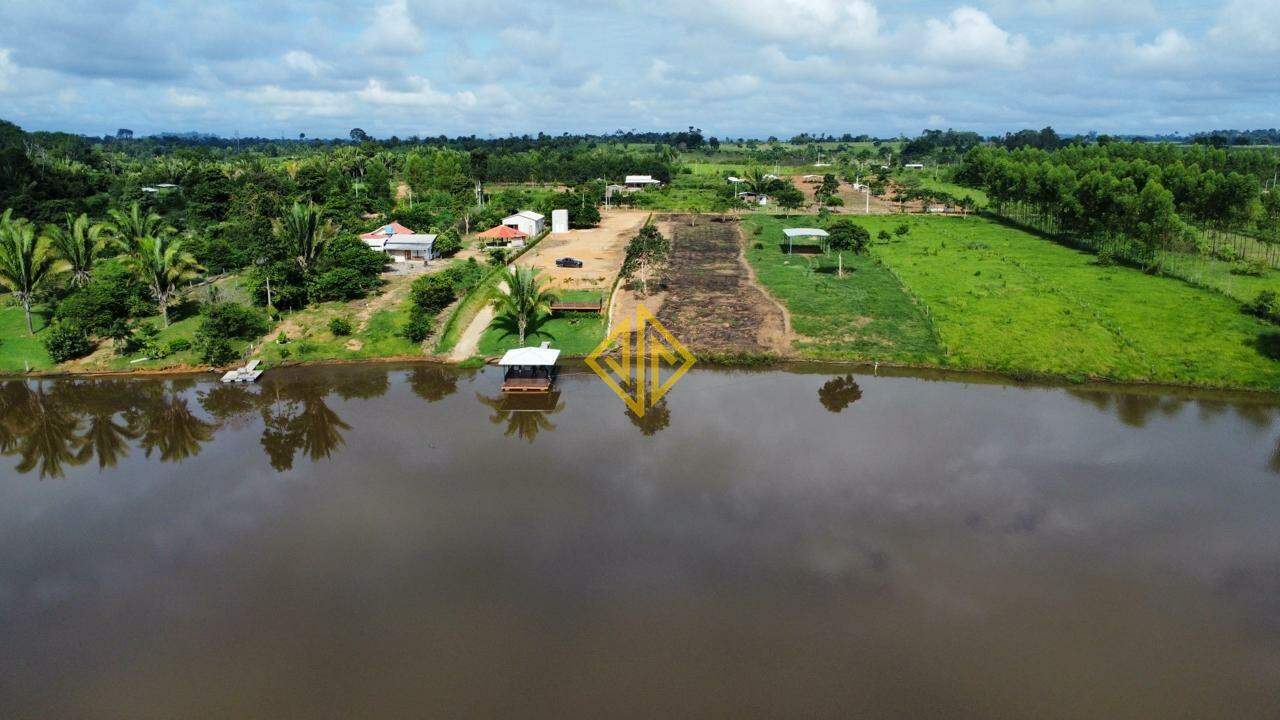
point(1137, 201)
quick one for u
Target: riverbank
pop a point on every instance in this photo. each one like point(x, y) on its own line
point(946, 294)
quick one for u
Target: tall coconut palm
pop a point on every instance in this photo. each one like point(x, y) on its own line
point(129, 227)
point(524, 297)
point(80, 244)
point(303, 230)
point(26, 263)
point(164, 265)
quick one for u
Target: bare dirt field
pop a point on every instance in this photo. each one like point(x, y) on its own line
point(712, 302)
point(601, 249)
point(855, 201)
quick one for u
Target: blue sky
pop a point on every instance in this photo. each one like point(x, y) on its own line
point(731, 67)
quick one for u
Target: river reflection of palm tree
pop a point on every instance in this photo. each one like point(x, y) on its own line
point(433, 383)
point(229, 403)
point(839, 393)
point(655, 419)
point(107, 434)
point(525, 416)
point(297, 417)
point(165, 423)
point(44, 432)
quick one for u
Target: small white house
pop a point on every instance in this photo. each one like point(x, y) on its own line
point(400, 243)
point(914, 166)
point(528, 222)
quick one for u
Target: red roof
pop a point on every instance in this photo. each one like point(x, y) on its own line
point(503, 232)
point(394, 228)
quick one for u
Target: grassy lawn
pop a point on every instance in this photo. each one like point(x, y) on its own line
point(866, 314)
point(310, 338)
point(18, 349)
point(575, 334)
point(1006, 300)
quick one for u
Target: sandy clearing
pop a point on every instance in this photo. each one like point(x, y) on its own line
point(601, 249)
point(855, 201)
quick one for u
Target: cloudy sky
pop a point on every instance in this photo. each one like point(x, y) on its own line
point(731, 67)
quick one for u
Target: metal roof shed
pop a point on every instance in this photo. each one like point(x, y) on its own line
point(793, 233)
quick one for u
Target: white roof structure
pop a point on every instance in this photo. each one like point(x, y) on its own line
point(642, 180)
point(408, 242)
point(527, 214)
point(804, 232)
point(793, 233)
point(541, 356)
point(733, 179)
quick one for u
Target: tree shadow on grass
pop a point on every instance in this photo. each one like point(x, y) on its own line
point(1268, 345)
point(510, 329)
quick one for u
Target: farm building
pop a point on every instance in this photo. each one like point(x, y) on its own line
point(914, 166)
point(528, 222)
point(400, 243)
point(640, 182)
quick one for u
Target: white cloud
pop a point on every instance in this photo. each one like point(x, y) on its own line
point(8, 70)
point(847, 24)
point(1249, 25)
point(732, 86)
point(968, 38)
point(393, 29)
point(186, 99)
point(1082, 13)
point(305, 62)
point(1169, 51)
point(658, 70)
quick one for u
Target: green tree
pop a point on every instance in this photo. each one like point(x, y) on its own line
point(524, 298)
point(302, 230)
point(163, 264)
point(26, 263)
point(80, 244)
point(129, 227)
point(789, 197)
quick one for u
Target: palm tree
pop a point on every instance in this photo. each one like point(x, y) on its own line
point(163, 265)
point(760, 182)
point(80, 244)
point(524, 298)
point(26, 264)
point(303, 230)
point(128, 228)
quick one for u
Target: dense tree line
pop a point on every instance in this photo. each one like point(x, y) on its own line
point(1144, 198)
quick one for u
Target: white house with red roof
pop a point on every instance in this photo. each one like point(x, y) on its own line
point(400, 243)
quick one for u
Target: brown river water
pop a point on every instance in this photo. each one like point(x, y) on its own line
point(395, 542)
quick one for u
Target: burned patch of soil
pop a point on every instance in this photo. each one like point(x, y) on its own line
point(711, 301)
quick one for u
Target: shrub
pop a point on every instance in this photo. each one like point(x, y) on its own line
point(1266, 306)
point(901, 230)
point(448, 243)
point(419, 326)
point(432, 293)
point(758, 246)
point(884, 235)
point(232, 321)
point(341, 327)
point(464, 276)
point(178, 345)
point(1256, 268)
point(1106, 257)
point(340, 284)
point(112, 294)
point(218, 351)
point(498, 256)
point(67, 341)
